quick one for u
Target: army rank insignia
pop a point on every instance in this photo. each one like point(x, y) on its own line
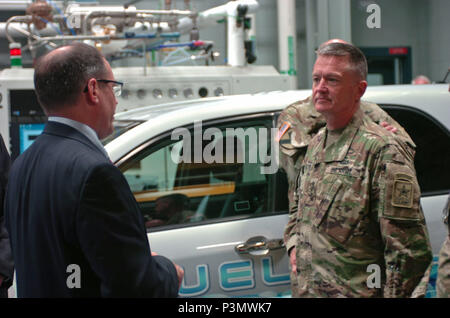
point(403, 193)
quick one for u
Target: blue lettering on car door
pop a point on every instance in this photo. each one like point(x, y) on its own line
point(236, 275)
point(268, 274)
point(200, 287)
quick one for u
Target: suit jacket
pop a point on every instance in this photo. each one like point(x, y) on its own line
point(75, 227)
point(6, 261)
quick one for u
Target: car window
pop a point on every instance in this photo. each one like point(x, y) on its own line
point(206, 173)
point(120, 127)
point(433, 148)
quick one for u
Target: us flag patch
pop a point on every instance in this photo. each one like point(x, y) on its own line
point(284, 127)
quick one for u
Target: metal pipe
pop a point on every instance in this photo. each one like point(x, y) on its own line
point(16, 25)
point(22, 5)
point(15, 5)
point(135, 14)
point(144, 52)
point(37, 38)
point(127, 36)
point(235, 33)
point(235, 39)
point(287, 39)
point(20, 18)
point(311, 38)
point(80, 37)
point(235, 36)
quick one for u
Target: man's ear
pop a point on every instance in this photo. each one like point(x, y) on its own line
point(362, 85)
point(92, 91)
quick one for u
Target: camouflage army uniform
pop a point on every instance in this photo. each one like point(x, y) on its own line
point(359, 206)
point(443, 279)
point(298, 124)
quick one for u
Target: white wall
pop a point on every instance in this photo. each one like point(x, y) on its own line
point(438, 56)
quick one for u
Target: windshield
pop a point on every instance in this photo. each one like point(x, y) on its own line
point(120, 127)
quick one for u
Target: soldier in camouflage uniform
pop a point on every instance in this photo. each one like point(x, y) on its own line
point(301, 122)
point(337, 231)
point(443, 279)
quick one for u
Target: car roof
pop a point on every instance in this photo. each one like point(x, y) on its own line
point(238, 104)
point(412, 95)
point(434, 99)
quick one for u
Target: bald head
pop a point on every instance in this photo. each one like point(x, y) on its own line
point(336, 41)
point(421, 79)
point(60, 76)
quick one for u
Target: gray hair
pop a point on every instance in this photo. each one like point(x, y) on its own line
point(357, 58)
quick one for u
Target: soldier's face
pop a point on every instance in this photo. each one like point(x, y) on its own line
point(336, 86)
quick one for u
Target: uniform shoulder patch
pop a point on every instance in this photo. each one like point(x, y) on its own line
point(403, 191)
point(282, 130)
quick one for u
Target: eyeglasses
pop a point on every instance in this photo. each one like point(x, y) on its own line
point(117, 87)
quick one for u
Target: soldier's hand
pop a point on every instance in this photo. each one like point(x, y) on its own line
point(388, 127)
point(293, 260)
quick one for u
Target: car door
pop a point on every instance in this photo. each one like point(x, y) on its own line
point(433, 173)
point(213, 203)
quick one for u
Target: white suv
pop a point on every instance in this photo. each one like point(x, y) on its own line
point(223, 222)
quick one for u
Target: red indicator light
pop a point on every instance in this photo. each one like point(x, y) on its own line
point(15, 55)
point(15, 52)
point(398, 50)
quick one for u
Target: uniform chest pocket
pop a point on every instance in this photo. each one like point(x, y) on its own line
point(325, 197)
point(339, 208)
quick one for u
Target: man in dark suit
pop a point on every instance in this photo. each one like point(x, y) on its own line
point(6, 261)
point(75, 227)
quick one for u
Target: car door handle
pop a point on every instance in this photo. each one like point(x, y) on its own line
point(259, 246)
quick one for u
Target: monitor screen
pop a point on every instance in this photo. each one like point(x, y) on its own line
point(28, 133)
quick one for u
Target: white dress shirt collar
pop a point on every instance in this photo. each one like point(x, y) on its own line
point(82, 128)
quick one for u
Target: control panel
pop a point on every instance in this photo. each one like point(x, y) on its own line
point(137, 94)
point(159, 85)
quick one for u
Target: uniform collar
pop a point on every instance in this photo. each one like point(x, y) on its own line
point(338, 150)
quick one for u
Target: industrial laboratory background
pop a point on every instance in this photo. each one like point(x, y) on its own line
point(174, 50)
